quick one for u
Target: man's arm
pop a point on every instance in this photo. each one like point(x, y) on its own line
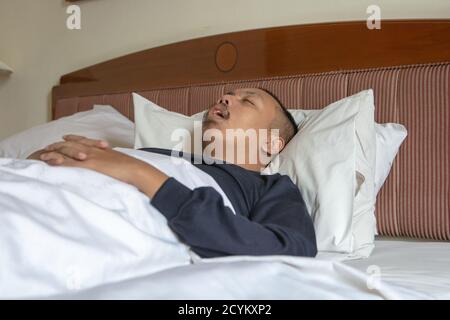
point(279, 224)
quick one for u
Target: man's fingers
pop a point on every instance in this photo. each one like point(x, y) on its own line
point(73, 137)
point(54, 146)
point(70, 149)
point(52, 156)
point(86, 141)
point(58, 161)
point(55, 162)
point(72, 152)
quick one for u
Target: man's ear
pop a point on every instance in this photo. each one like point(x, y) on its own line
point(273, 145)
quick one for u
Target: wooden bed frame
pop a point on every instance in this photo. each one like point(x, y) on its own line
point(280, 51)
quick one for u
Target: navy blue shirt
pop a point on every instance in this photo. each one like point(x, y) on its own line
point(271, 215)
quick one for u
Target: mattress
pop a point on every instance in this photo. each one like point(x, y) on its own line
point(397, 269)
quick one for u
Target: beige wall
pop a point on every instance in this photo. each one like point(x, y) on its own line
point(34, 39)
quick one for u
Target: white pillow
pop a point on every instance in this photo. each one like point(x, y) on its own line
point(102, 122)
point(389, 137)
point(155, 126)
point(332, 145)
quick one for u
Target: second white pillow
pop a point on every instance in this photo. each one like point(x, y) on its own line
point(322, 159)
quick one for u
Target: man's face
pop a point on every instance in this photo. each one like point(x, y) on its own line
point(239, 124)
point(241, 109)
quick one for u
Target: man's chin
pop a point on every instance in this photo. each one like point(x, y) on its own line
point(210, 124)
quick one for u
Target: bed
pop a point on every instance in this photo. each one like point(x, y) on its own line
point(406, 63)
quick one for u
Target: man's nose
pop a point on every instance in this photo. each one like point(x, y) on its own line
point(225, 100)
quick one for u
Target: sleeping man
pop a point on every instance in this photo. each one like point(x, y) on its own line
point(271, 216)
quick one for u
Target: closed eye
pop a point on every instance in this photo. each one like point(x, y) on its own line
point(249, 101)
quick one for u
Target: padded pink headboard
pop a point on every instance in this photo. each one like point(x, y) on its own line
point(414, 201)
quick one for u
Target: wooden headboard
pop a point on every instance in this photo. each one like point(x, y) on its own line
point(280, 51)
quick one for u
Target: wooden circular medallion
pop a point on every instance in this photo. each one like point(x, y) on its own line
point(226, 56)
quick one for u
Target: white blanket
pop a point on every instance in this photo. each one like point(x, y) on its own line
point(75, 233)
point(65, 229)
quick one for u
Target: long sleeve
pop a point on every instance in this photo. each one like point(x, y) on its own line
point(278, 224)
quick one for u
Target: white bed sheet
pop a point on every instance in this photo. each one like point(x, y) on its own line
point(420, 266)
point(398, 269)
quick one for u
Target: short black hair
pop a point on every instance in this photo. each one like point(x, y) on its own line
point(288, 128)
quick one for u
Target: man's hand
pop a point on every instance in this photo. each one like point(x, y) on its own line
point(77, 151)
point(58, 158)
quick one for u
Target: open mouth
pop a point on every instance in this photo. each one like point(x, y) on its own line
point(221, 112)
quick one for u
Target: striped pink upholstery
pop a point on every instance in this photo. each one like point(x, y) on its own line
point(423, 106)
point(414, 201)
point(175, 99)
point(321, 90)
point(202, 97)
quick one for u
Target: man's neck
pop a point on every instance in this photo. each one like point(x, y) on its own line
point(252, 167)
point(257, 167)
